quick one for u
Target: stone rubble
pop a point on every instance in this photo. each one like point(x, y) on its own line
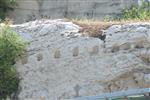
point(61, 64)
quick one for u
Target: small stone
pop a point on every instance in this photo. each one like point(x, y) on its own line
point(75, 51)
point(39, 57)
point(95, 50)
point(57, 53)
point(24, 59)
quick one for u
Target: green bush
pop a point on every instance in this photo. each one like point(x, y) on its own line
point(136, 12)
point(11, 47)
point(6, 5)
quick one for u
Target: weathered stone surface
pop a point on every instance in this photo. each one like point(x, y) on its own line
point(28, 10)
point(61, 66)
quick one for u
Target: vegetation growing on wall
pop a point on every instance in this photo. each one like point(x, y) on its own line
point(4, 6)
point(136, 12)
point(11, 47)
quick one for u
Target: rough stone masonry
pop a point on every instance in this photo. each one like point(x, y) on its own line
point(62, 64)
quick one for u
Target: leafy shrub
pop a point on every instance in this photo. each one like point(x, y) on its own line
point(11, 47)
point(136, 12)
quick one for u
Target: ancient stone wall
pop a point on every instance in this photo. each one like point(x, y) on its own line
point(31, 9)
point(61, 64)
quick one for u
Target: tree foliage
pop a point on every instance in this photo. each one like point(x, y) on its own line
point(5, 5)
